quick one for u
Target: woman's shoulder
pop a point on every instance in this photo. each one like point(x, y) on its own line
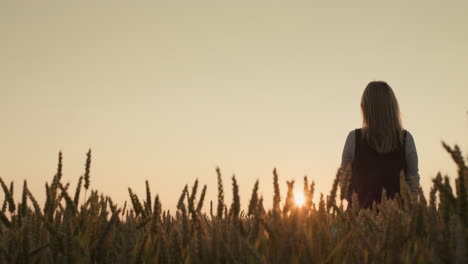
point(409, 139)
point(408, 135)
point(351, 133)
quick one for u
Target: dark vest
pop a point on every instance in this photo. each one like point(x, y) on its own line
point(372, 171)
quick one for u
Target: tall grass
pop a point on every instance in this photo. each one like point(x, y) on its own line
point(406, 229)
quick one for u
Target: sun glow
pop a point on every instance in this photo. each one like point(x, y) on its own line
point(299, 198)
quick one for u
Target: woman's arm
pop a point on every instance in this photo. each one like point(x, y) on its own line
point(412, 169)
point(348, 153)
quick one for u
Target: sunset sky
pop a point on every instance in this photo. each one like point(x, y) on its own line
point(168, 90)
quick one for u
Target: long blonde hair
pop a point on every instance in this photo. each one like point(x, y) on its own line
point(382, 127)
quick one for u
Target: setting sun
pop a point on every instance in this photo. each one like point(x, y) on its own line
point(299, 198)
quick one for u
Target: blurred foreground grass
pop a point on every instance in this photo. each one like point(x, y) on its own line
point(407, 229)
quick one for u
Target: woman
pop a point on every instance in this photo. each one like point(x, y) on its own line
point(380, 150)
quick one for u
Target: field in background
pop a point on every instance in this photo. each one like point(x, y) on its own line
point(93, 229)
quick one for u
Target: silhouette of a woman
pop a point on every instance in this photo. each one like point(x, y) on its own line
point(380, 150)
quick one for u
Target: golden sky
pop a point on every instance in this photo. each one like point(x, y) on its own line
point(168, 90)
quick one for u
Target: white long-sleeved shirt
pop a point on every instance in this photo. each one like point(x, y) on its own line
point(411, 155)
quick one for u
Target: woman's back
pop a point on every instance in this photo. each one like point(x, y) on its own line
point(375, 171)
point(381, 149)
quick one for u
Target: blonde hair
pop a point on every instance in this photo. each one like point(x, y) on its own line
point(382, 127)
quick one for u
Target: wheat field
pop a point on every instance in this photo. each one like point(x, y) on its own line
point(93, 229)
